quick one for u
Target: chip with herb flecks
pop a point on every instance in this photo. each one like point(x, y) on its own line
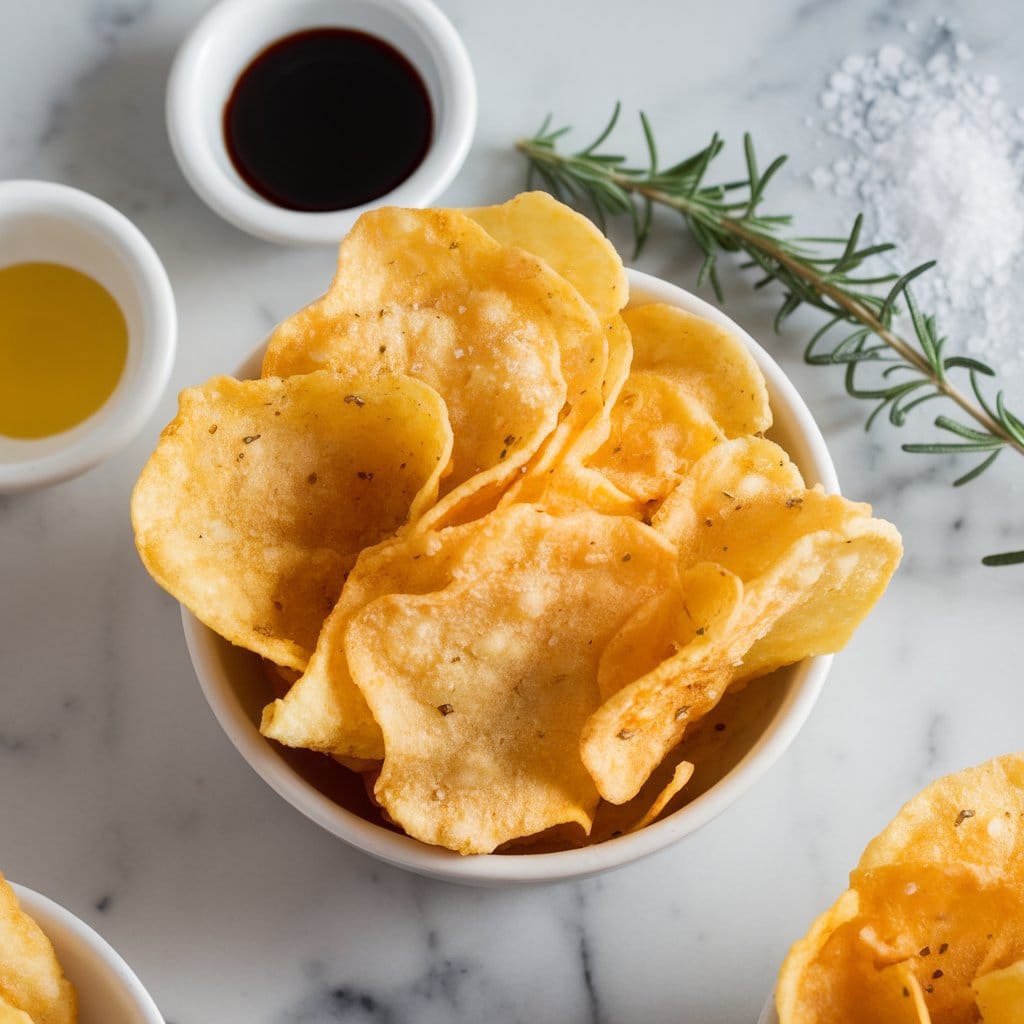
point(261, 494)
point(937, 901)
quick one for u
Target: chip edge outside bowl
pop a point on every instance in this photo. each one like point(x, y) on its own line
point(502, 870)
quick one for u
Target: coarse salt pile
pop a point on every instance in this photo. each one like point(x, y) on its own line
point(938, 166)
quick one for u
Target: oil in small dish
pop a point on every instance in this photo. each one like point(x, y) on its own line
point(328, 119)
point(63, 348)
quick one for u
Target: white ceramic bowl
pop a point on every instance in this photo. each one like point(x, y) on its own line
point(769, 1015)
point(108, 990)
point(45, 222)
point(225, 41)
point(237, 690)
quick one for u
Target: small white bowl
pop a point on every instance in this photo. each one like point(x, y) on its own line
point(108, 990)
point(46, 222)
point(225, 41)
point(237, 689)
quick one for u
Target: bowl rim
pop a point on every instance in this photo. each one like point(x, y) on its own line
point(116, 423)
point(403, 851)
point(63, 929)
point(205, 164)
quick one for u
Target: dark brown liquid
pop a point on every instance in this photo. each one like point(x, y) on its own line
point(327, 119)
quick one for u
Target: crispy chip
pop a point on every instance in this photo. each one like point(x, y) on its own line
point(825, 573)
point(481, 689)
point(973, 817)
point(325, 710)
point(625, 739)
point(658, 430)
point(261, 494)
point(501, 337)
point(949, 910)
point(746, 472)
point(707, 360)
point(566, 240)
point(31, 979)
point(1000, 994)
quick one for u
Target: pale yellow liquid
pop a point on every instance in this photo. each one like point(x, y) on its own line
point(63, 346)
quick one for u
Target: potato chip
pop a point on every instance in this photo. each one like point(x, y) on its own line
point(626, 738)
point(561, 478)
point(325, 710)
point(481, 689)
point(830, 563)
point(949, 911)
point(1000, 995)
point(657, 431)
point(566, 240)
point(501, 337)
point(715, 367)
point(31, 979)
point(261, 494)
point(972, 817)
point(12, 1015)
point(744, 471)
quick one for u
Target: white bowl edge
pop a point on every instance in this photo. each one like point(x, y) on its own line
point(108, 989)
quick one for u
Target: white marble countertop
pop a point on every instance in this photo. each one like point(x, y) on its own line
point(121, 798)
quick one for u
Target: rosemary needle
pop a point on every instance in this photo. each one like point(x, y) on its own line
point(829, 274)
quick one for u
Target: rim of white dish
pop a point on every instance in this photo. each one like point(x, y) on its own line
point(498, 869)
point(116, 423)
point(202, 154)
point(70, 935)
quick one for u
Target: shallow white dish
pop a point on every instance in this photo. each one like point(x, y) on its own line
point(41, 221)
point(108, 990)
point(233, 32)
point(236, 689)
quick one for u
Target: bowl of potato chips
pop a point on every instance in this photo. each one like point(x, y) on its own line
point(55, 969)
point(500, 562)
point(931, 927)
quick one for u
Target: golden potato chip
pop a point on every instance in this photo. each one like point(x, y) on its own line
point(753, 618)
point(12, 1015)
point(499, 335)
point(1000, 995)
point(261, 494)
point(626, 738)
point(972, 817)
point(31, 979)
point(561, 479)
point(715, 367)
point(568, 242)
point(657, 431)
point(654, 798)
point(481, 689)
point(325, 710)
point(744, 472)
point(950, 911)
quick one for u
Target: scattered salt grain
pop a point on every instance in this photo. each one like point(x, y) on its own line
point(936, 162)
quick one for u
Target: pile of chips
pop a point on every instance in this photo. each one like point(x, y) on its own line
point(33, 988)
point(932, 926)
point(505, 540)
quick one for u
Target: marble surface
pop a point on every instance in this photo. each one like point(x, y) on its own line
point(119, 795)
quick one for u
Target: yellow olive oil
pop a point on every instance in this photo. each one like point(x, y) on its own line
point(63, 346)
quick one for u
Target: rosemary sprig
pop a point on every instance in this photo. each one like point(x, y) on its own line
point(896, 367)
